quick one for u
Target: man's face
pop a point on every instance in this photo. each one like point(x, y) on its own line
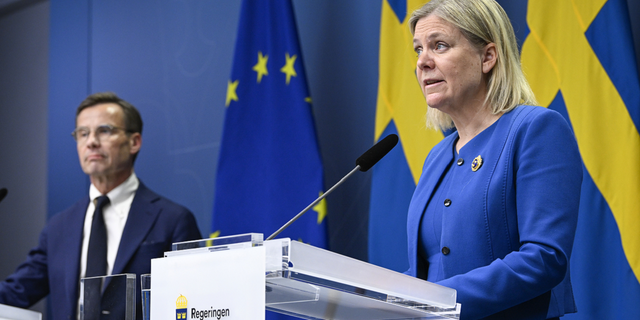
point(105, 153)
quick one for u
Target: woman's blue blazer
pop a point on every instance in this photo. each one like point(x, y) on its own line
point(509, 229)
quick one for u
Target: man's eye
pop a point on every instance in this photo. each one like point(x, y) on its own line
point(440, 46)
point(83, 133)
point(103, 131)
point(418, 51)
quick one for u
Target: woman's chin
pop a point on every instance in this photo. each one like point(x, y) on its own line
point(434, 100)
point(434, 104)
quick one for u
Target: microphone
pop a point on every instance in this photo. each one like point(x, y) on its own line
point(375, 153)
point(3, 193)
point(363, 163)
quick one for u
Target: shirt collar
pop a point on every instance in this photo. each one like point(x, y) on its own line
point(119, 193)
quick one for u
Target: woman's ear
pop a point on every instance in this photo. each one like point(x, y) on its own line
point(489, 57)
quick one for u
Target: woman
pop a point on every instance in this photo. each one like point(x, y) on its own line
point(495, 211)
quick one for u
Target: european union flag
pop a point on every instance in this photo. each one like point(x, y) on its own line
point(270, 166)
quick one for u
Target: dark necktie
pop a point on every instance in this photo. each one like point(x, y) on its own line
point(97, 252)
point(96, 262)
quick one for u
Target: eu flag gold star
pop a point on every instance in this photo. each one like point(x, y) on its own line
point(213, 235)
point(261, 66)
point(288, 68)
point(321, 209)
point(231, 91)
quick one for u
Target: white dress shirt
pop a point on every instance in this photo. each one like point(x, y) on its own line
point(115, 217)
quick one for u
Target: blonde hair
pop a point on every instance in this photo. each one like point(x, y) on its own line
point(483, 22)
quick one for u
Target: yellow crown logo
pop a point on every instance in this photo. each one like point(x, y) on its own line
point(181, 303)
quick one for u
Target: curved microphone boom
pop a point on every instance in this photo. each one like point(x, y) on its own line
point(3, 193)
point(363, 163)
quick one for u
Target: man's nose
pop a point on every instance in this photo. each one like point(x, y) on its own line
point(92, 138)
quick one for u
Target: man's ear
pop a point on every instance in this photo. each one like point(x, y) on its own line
point(135, 142)
point(489, 57)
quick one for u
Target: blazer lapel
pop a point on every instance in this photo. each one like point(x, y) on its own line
point(142, 216)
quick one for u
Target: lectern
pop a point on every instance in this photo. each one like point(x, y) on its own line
point(13, 313)
point(243, 275)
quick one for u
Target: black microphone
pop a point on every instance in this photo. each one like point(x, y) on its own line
point(3, 193)
point(363, 163)
point(375, 153)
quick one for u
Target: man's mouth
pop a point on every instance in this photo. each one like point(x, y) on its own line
point(95, 157)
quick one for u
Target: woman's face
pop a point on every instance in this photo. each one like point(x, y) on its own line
point(450, 69)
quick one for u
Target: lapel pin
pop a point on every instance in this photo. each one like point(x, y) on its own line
point(476, 164)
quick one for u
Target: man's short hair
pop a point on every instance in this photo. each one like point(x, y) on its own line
point(132, 118)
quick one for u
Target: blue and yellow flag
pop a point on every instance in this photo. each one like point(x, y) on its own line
point(401, 109)
point(270, 166)
point(579, 59)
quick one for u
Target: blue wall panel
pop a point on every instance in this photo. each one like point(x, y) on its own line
point(68, 85)
point(171, 59)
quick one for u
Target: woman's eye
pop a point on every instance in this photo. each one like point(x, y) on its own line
point(440, 46)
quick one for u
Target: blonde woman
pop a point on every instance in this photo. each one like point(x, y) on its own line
point(495, 211)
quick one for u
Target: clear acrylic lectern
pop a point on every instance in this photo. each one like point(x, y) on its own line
point(113, 295)
point(313, 283)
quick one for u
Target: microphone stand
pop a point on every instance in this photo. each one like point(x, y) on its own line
point(314, 203)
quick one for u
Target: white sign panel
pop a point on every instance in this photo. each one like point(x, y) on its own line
point(13, 313)
point(217, 285)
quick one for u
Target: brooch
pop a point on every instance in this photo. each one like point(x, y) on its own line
point(476, 164)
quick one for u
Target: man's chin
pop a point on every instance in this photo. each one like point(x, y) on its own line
point(93, 170)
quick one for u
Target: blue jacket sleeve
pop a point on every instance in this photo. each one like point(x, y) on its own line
point(186, 228)
point(30, 282)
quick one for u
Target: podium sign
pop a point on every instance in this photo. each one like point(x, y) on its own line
point(13, 313)
point(206, 285)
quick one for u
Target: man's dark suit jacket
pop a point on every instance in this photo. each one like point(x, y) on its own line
point(53, 266)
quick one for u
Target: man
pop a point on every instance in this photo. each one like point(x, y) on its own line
point(137, 223)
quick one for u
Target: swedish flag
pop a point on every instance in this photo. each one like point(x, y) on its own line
point(401, 109)
point(579, 59)
point(270, 166)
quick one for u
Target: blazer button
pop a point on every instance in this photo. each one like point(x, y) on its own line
point(445, 250)
point(447, 202)
point(460, 161)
